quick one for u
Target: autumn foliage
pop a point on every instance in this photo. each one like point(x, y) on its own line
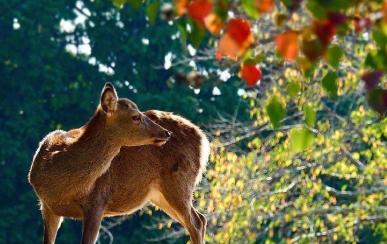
point(264, 6)
point(199, 10)
point(236, 39)
point(251, 73)
point(287, 44)
point(305, 44)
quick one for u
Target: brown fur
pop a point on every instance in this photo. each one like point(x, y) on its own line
point(74, 176)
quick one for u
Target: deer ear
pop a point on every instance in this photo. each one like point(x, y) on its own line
point(109, 98)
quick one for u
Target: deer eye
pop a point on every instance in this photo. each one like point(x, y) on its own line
point(136, 118)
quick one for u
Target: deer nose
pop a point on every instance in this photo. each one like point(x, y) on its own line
point(168, 133)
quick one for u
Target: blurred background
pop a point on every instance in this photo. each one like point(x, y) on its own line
point(55, 58)
point(315, 172)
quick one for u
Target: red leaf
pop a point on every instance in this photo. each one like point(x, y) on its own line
point(239, 30)
point(287, 44)
point(362, 24)
point(264, 6)
point(313, 49)
point(218, 55)
point(377, 99)
point(181, 7)
point(199, 10)
point(372, 78)
point(337, 18)
point(227, 46)
point(251, 73)
point(213, 23)
point(325, 30)
point(237, 39)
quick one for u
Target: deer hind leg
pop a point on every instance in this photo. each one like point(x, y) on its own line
point(51, 225)
point(204, 222)
point(177, 203)
point(201, 223)
point(186, 216)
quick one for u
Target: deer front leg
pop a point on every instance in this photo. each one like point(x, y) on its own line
point(92, 218)
point(94, 208)
point(51, 224)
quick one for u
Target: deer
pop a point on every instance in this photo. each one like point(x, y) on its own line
point(119, 161)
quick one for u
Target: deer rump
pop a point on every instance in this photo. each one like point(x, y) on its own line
point(141, 174)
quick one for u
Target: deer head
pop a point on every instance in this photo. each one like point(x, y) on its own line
point(125, 124)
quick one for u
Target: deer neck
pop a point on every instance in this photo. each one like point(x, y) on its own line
point(95, 146)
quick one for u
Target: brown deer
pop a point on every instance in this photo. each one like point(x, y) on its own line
point(83, 174)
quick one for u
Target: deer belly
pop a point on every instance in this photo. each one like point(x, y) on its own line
point(130, 203)
point(67, 209)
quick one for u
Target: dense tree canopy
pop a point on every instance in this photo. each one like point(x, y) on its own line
point(292, 94)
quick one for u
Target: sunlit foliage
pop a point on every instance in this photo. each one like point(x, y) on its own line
point(320, 176)
point(304, 34)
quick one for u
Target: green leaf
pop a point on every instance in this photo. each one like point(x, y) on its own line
point(152, 10)
point(310, 115)
point(287, 3)
point(293, 88)
point(328, 5)
point(250, 57)
point(181, 26)
point(379, 37)
point(329, 83)
point(136, 4)
point(300, 139)
point(197, 35)
point(376, 59)
point(371, 60)
point(338, 5)
point(119, 3)
point(335, 53)
point(250, 8)
point(276, 111)
point(316, 9)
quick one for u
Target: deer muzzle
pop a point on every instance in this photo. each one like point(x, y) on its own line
point(163, 138)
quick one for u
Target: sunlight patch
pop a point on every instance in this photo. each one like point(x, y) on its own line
point(168, 61)
point(66, 26)
point(16, 24)
point(224, 75)
point(216, 91)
